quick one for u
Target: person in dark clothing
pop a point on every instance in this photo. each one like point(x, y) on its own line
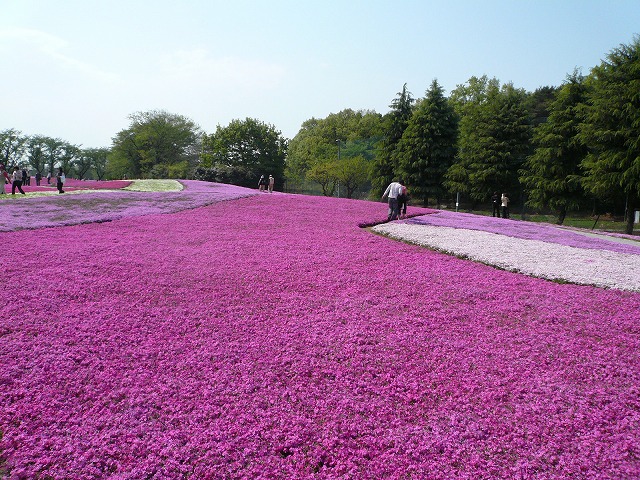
point(495, 203)
point(17, 181)
point(60, 180)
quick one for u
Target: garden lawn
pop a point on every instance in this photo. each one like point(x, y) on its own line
point(270, 337)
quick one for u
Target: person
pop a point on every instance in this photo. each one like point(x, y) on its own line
point(17, 181)
point(60, 180)
point(505, 206)
point(495, 202)
point(402, 200)
point(4, 179)
point(271, 182)
point(49, 178)
point(38, 178)
point(261, 183)
point(25, 177)
point(392, 191)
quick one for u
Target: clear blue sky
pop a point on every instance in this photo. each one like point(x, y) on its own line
point(76, 69)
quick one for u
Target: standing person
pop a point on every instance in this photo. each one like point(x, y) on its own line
point(402, 200)
point(38, 178)
point(49, 178)
point(495, 202)
point(505, 206)
point(261, 183)
point(392, 191)
point(271, 182)
point(60, 180)
point(25, 177)
point(4, 179)
point(17, 181)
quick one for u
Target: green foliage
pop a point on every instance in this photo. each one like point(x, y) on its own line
point(324, 175)
point(12, 147)
point(611, 128)
point(428, 145)
point(385, 166)
point(494, 139)
point(36, 146)
point(244, 150)
point(154, 142)
point(347, 134)
point(551, 175)
point(352, 173)
point(92, 160)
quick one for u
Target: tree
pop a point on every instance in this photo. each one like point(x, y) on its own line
point(428, 145)
point(12, 145)
point(53, 149)
point(495, 135)
point(35, 152)
point(97, 158)
point(394, 124)
point(610, 128)
point(551, 176)
point(248, 146)
point(324, 174)
point(69, 154)
point(91, 159)
point(345, 134)
point(351, 173)
point(157, 143)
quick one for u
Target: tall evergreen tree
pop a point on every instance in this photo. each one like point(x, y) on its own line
point(551, 176)
point(495, 137)
point(427, 148)
point(611, 128)
point(395, 122)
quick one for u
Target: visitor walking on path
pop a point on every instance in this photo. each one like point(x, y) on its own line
point(505, 206)
point(261, 183)
point(17, 181)
point(393, 191)
point(60, 180)
point(271, 182)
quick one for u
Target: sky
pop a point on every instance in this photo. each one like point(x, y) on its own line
point(77, 69)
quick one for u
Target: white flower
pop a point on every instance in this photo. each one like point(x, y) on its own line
point(531, 257)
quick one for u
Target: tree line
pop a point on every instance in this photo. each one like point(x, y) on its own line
point(563, 148)
point(572, 147)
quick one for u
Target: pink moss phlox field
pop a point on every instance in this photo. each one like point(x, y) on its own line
point(104, 206)
point(270, 337)
point(526, 230)
point(72, 184)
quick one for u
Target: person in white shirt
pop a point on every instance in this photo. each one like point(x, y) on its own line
point(393, 191)
point(505, 206)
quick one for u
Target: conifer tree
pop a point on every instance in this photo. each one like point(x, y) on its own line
point(611, 128)
point(427, 148)
point(395, 122)
point(551, 176)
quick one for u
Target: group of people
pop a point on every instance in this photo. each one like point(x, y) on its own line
point(398, 195)
point(266, 183)
point(500, 204)
point(21, 177)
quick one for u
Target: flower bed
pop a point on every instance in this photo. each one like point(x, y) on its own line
point(538, 249)
point(105, 206)
point(70, 185)
point(270, 337)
